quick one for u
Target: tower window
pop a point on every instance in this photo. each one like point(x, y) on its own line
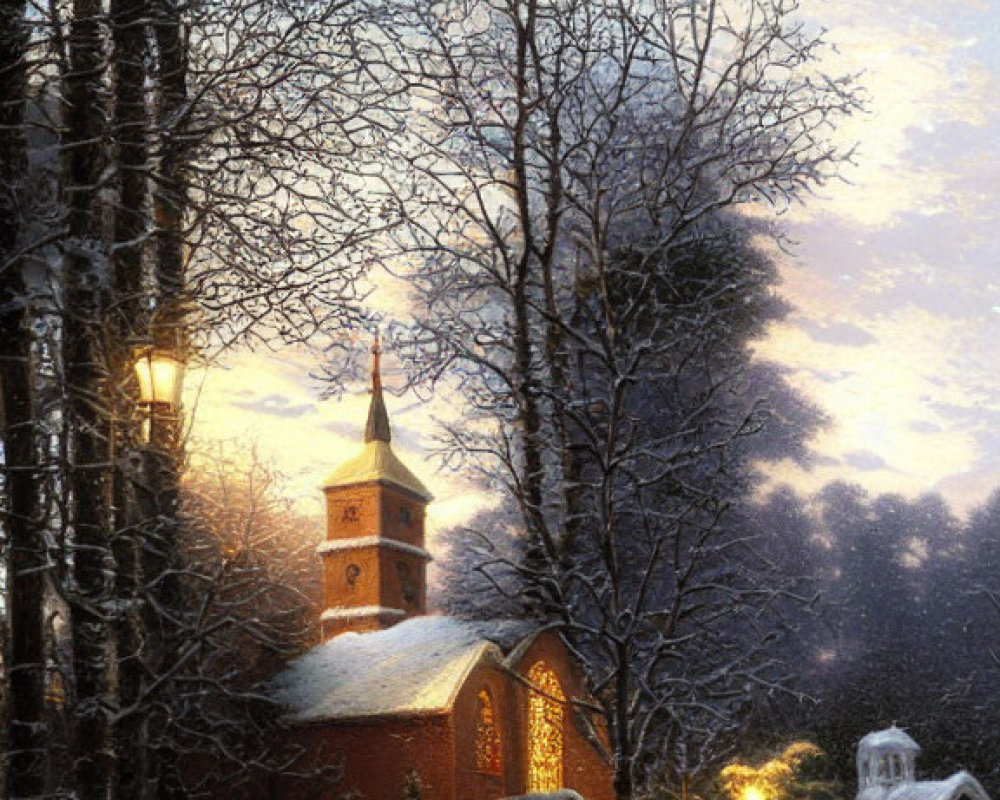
point(405, 515)
point(351, 574)
point(407, 585)
point(350, 513)
point(545, 730)
point(488, 758)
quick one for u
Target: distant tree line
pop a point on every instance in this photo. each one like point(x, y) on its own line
point(900, 624)
point(906, 631)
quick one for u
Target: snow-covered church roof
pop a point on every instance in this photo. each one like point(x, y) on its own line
point(417, 666)
point(959, 785)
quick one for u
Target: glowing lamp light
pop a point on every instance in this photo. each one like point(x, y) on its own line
point(160, 377)
point(753, 793)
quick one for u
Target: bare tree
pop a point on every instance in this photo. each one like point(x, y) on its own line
point(20, 518)
point(565, 172)
point(248, 596)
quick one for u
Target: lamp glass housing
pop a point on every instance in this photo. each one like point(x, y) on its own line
point(160, 377)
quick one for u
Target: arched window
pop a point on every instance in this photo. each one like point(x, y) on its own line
point(488, 759)
point(545, 730)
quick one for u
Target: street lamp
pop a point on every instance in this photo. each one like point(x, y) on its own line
point(160, 376)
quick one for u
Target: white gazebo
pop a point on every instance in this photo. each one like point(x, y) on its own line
point(887, 771)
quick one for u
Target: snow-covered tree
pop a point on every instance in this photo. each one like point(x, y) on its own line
point(566, 172)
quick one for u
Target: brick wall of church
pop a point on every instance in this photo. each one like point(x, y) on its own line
point(402, 516)
point(353, 511)
point(584, 769)
point(374, 575)
point(380, 754)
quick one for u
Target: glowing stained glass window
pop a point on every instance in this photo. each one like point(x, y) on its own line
point(545, 730)
point(487, 737)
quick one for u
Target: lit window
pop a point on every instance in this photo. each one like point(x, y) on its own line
point(545, 729)
point(487, 737)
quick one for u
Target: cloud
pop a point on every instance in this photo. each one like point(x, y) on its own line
point(837, 332)
point(276, 405)
point(908, 413)
point(921, 68)
point(865, 460)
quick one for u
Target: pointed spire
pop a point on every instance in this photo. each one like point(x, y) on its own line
point(377, 428)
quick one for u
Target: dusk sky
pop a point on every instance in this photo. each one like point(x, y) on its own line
point(895, 292)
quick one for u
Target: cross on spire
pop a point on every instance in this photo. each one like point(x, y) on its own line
point(377, 429)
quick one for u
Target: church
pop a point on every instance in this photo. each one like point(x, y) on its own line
point(417, 704)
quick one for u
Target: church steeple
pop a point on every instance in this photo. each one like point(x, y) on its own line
point(377, 428)
point(374, 561)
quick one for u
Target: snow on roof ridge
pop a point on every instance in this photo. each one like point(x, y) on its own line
point(359, 611)
point(417, 666)
point(332, 545)
point(947, 789)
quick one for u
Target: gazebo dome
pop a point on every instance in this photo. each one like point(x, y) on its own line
point(886, 759)
point(892, 737)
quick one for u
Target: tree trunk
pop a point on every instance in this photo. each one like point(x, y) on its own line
point(25, 735)
point(623, 740)
point(169, 206)
point(87, 417)
point(131, 128)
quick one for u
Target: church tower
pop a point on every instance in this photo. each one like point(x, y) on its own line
point(374, 561)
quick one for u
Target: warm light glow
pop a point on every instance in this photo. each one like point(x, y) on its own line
point(160, 377)
point(487, 737)
point(545, 730)
point(773, 780)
